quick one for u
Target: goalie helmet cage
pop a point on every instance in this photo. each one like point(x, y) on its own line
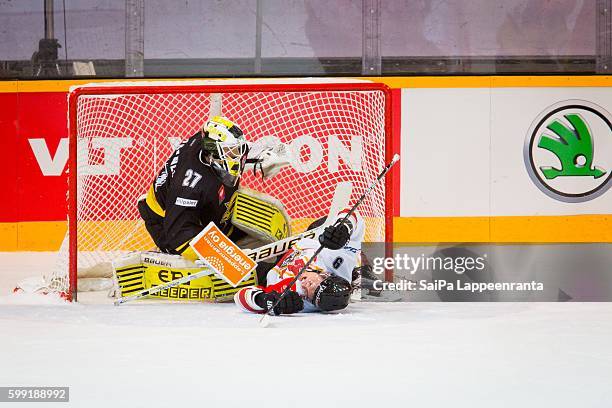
point(122, 133)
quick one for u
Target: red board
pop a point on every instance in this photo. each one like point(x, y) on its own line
point(9, 156)
point(32, 126)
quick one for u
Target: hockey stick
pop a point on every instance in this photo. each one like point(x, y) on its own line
point(340, 200)
point(263, 322)
point(155, 289)
point(341, 197)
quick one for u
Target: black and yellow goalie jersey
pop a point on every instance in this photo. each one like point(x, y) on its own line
point(184, 198)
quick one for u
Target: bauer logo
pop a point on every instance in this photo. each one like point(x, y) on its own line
point(568, 151)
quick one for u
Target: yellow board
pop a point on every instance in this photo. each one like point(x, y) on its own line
point(13, 86)
point(47, 236)
point(516, 229)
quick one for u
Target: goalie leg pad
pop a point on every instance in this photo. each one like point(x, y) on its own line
point(260, 216)
point(144, 270)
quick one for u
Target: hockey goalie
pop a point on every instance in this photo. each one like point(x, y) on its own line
point(199, 184)
point(324, 285)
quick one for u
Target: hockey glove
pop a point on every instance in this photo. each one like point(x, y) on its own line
point(335, 236)
point(291, 303)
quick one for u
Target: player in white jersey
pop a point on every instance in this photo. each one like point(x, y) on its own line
point(324, 286)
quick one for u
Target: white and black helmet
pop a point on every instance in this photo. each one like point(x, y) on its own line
point(332, 294)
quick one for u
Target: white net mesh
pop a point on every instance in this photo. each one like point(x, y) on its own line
point(123, 141)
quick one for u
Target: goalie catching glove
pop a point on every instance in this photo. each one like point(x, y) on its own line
point(268, 155)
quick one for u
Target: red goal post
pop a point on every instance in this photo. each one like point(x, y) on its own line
point(121, 133)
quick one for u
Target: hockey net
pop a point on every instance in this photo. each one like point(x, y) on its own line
point(122, 134)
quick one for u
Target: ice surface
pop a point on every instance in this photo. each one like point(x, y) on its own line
point(375, 355)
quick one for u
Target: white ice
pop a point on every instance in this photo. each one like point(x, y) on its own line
point(372, 355)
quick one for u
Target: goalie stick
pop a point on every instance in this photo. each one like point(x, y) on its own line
point(340, 200)
point(263, 322)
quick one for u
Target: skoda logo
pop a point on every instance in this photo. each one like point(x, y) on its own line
point(568, 151)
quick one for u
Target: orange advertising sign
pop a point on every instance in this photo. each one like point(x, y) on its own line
point(231, 263)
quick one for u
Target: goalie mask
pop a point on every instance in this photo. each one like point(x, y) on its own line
point(225, 143)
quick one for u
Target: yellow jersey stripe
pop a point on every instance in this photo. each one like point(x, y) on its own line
point(153, 204)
